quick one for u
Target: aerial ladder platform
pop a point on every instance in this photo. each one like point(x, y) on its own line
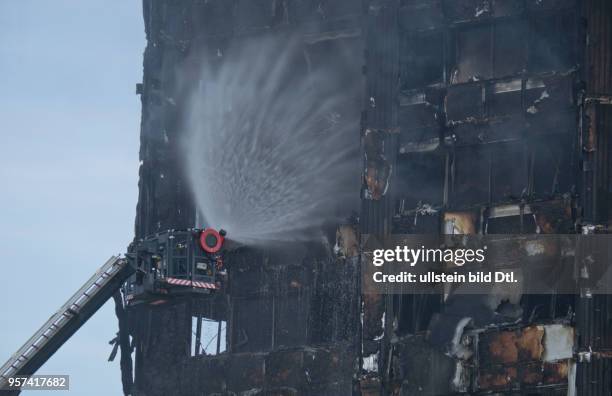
point(67, 320)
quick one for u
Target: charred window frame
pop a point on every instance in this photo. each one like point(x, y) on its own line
point(209, 326)
point(489, 173)
point(208, 336)
point(259, 323)
point(473, 51)
point(551, 166)
point(490, 50)
point(504, 47)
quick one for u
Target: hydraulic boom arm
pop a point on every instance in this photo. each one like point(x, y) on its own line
point(65, 322)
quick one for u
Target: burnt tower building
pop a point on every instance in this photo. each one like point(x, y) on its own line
point(474, 117)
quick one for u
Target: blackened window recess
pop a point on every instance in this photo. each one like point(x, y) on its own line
point(552, 158)
point(539, 307)
point(552, 42)
point(509, 172)
point(505, 98)
point(470, 176)
point(492, 173)
point(509, 48)
point(252, 324)
point(464, 102)
point(473, 54)
point(421, 59)
point(420, 179)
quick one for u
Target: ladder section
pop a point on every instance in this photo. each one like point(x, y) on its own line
point(67, 320)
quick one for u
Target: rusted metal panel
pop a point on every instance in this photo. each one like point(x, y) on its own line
point(509, 347)
point(531, 356)
point(498, 377)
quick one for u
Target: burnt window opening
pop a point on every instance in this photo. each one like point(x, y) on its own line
point(260, 323)
point(551, 163)
point(253, 324)
point(509, 48)
point(552, 42)
point(208, 336)
point(419, 181)
point(473, 60)
point(489, 174)
point(470, 172)
point(505, 98)
point(465, 102)
point(421, 60)
point(509, 172)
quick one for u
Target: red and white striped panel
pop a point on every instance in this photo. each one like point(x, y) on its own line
point(187, 282)
point(204, 285)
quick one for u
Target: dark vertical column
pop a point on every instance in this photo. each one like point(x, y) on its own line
point(164, 200)
point(594, 313)
point(162, 334)
point(380, 133)
point(381, 107)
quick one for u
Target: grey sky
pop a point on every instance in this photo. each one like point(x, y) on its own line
point(69, 125)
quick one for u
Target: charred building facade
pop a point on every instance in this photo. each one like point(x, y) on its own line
point(477, 117)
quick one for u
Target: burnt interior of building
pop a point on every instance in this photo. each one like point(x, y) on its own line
point(477, 117)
